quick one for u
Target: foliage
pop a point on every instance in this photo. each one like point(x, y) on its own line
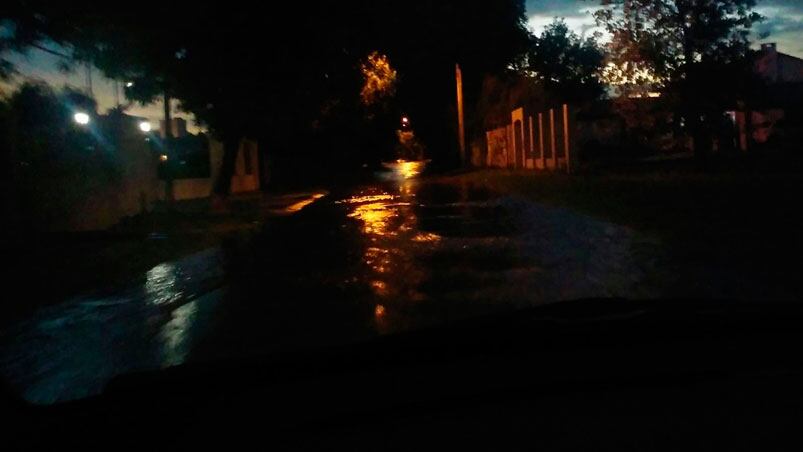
point(696, 52)
point(53, 165)
point(502, 94)
point(670, 37)
point(294, 71)
point(379, 79)
point(566, 65)
point(676, 45)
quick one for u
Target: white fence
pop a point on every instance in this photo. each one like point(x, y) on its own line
point(538, 141)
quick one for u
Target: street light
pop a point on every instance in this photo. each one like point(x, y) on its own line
point(81, 118)
point(145, 126)
point(129, 84)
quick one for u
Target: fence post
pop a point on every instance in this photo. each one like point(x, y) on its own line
point(508, 145)
point(530, 155)
point(552, 139)
point(488, 148)
point(566, 146)
point(541, 140)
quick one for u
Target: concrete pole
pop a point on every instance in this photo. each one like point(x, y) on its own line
point(461, 131)
point(552, 140)
point(566, 147)
point(90, 92)
point(541, 140)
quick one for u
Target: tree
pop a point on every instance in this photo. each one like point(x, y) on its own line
point(696, 52)
point(485, 38)
point(292, 76)
point(566, 65)
point(51, 165)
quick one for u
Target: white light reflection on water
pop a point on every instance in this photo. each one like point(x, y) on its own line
point(161, 284)
point(70, 351)
point(175, 335)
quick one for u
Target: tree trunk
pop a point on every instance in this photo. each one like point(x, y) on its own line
point(702, 142)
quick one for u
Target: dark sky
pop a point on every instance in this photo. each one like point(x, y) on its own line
point(784, 19)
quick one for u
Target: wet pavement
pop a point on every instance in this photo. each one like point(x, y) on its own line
point(401, 253)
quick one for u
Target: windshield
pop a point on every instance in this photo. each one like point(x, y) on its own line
point(174, 195)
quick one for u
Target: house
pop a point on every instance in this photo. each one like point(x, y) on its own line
point(782, 97)
point(776, 67)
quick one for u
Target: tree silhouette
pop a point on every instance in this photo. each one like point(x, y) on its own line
point(291, 77)
point(567, 66)
point(696, 52)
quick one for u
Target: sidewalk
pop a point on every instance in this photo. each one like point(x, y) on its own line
point(49, 268)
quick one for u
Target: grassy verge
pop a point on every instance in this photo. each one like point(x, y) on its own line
point(739, 224)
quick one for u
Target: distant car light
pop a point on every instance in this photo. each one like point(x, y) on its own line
point(145, 126)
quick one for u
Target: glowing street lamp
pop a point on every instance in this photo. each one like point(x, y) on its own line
point(145, 126)
point(129, 84)
point(81, 118)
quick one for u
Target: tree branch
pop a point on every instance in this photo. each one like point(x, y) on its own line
point(50, 51)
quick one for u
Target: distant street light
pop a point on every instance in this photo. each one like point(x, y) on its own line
point(129, 84)
point(81, 118)
point(145, 126)
point(163, 157)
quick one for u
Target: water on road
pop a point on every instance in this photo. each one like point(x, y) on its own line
point(398, 254)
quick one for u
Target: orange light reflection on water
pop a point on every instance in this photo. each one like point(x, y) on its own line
point(304, 203)
point(389, 225)
point(426, 237)
point(375, 217)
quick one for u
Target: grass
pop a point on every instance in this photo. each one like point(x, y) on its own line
point(743, 225)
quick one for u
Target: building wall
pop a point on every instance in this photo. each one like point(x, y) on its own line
point(242, 181)
point(497, 140)
point(246, 170)
point(118, 177)
point(134, 188)
point(532, 140)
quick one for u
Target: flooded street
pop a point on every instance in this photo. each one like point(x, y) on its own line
point(401, 253)
point(72, 350)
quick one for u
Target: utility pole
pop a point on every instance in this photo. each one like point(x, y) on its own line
point(89, 80)
point(461, 131)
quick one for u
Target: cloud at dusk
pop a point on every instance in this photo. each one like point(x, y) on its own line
point(783, 22)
